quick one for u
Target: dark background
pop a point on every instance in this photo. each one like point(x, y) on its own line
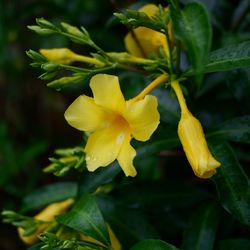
point(31, 115)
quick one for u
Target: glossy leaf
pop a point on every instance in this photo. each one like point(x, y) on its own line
point(237, 129)
point(233, 244)
point(232, 183)
point(86, 217)
point(49, 194)
point(92, 180)
point(228, 58)
point(201, 230)
point(192, 27)
point(152, 244)
point(129, 225)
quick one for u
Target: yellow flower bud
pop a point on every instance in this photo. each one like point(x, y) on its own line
point(61, 55)
point(47, 215)
point(193, 140)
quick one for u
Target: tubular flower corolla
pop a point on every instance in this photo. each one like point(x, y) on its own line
point(193, 140)
point(112, 122)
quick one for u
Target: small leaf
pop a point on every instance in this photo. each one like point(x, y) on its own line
point(49, 194)
point(201, 230)
point(228, 58)
point(86, 217)
point(192, 27)
point(232, 183)
point(152, 244)
point(237, 130)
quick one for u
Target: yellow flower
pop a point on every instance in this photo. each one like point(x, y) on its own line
point(47, 215)
point(112, 122)
point(193, 140)
point(144, 42)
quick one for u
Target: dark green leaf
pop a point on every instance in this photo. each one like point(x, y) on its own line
point(192, 27)
point(86, 217)
point(36, 247)
point(48, 194)
point(234, 244)
point(228, 58)
point(152, 244)
point(201, 230)
point(232, 183)
point(92, 180)
point(129, 224)
point(157, 146)
point(237, 129)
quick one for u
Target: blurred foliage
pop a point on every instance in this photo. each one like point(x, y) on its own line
point(164, 200)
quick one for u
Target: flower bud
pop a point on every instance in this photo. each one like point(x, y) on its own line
point(61, 55)
point(47, 215)
point(195, 146)
point(193, 140)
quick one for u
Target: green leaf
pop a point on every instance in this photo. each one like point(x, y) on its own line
point(192, 27)
point(49, 194)
point(228, 58)
point(86, 218)
point(232, 244)
point(92, 180)
point(36, 247)
point(152, 244)
point(231, 182)
point(237, 130)
point(201, 230)
point(129, 225)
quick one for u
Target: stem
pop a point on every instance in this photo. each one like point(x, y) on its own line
point(87, 59)
point(178, 91)
point(158, 81)
point(169, 51)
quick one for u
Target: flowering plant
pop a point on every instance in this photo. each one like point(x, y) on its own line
point(164, 115)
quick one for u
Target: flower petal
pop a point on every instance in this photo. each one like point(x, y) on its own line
point(107, 92)
point(143, 117)
point(104, 145)
point(126, 156)
point(84, 114)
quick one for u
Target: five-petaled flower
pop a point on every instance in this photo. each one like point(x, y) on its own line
point(112, 123)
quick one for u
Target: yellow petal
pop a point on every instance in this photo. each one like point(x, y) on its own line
point(145, 42)
point(107, 92)
point(143, 117)
point(115, 243)
point(149, 9)
point(126, 156)
point(133, 45)
point(195, 146)
point(85, 115)
point(104, 145)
